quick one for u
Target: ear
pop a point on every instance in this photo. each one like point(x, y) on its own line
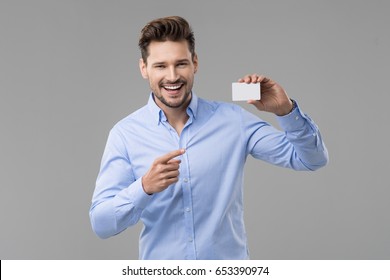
point(195, 62)
point(142, 69)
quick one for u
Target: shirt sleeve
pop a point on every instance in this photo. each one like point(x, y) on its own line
point(299, 146)
point(118, 199)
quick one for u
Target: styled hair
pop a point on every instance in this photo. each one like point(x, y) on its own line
point(173, 28)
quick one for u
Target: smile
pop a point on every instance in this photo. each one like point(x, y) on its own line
point(172, 87)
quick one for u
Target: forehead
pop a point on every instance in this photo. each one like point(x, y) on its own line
point(168, 51)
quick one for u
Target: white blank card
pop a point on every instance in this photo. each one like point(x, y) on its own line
point(244, 91)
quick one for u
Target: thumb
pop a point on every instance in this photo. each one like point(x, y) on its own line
point(257, 103)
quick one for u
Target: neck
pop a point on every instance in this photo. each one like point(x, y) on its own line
point(177, 117)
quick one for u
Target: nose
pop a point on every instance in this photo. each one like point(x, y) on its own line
point(172, 75)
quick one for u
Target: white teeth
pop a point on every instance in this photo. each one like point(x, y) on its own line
point(172, 87)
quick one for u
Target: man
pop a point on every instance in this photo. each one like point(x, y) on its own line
point(177, 163)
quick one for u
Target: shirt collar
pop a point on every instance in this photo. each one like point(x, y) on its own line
point(158, 114)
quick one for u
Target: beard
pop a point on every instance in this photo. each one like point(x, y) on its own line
point(177, 102)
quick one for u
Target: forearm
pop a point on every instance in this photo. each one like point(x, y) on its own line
point(110, 216)
point(299, 147)
point(305, 138)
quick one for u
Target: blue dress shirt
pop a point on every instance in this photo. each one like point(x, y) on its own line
point(200, 216)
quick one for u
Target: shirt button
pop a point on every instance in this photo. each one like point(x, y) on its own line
point(296, 118)
point(188, 209)
point(185, 180)
point(190, 240)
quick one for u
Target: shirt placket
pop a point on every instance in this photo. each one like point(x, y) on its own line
point(185, 184)
point(185, 180)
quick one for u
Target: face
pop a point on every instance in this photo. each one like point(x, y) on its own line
point(170, 70)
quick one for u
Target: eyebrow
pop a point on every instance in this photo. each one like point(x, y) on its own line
point(183, 60)
point(178, 61)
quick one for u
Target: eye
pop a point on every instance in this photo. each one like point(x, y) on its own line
point(159, 66)
point(182, 64)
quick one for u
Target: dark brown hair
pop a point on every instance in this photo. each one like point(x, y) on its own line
point(172, 28)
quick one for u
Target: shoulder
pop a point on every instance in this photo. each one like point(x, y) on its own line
point(219, 106)
point(234, 114)
point(134, 119)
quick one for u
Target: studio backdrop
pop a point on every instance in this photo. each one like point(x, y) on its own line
point(69, 72)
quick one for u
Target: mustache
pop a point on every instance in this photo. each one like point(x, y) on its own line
point(167, 82)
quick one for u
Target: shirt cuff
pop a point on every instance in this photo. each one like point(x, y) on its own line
point(137, 194)
point(295, 120)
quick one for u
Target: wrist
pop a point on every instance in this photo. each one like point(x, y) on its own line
point(288, 108)
point(145, 188)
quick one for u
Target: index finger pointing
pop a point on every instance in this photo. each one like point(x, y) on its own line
point(167, 157)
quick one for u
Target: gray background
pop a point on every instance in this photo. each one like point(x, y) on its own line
point(69, 72)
